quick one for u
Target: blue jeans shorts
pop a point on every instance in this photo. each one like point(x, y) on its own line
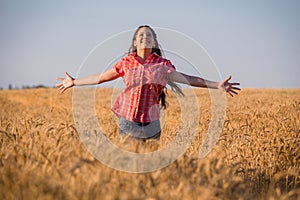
point(149, 130)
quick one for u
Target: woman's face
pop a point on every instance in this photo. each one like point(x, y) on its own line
point(144, 39)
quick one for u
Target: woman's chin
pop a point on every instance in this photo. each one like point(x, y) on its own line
point(144, 47)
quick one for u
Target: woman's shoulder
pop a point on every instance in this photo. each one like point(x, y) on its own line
point(160, 58)
point(127, 58)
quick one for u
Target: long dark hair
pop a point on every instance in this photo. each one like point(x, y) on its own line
point(156, 49)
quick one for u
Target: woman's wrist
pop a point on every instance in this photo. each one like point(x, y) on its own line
point(212, 85)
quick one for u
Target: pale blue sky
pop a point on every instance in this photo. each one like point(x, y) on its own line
point(257, 42)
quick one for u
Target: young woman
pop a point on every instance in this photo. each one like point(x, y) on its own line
point(145, 74)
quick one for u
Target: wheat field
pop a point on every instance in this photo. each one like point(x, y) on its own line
point(257, 155)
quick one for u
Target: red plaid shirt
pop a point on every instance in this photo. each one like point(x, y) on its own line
point(143, 84)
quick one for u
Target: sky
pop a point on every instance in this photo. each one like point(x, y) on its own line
point(257, 42)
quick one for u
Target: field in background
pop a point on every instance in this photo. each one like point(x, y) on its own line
point(257, 155)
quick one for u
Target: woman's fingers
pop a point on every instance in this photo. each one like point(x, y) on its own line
point(232, 91)
point(235, 88)
point(64, 89)
point(68, 75)
point(227, 79)
point(60, 78)
point(61, 89)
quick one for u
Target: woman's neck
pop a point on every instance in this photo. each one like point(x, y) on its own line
point(143, 54)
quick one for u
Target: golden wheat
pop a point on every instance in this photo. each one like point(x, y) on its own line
point(256, 157)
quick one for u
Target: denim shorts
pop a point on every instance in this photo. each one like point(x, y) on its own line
point(150, 130)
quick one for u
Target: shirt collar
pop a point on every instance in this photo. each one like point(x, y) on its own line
point(134, 54)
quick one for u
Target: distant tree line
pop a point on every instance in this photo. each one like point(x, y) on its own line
point(11, 87)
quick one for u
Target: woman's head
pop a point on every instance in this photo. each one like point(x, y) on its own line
point(144, 37)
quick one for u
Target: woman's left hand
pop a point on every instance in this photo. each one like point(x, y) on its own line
point(229, 87)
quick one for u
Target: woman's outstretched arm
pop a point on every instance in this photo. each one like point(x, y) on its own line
point(224, 85)
point(69, 81)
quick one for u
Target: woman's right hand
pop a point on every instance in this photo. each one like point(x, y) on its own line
point(66, 83)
